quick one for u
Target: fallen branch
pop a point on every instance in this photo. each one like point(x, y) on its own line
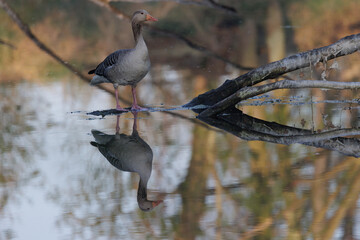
point(249, 92)
point(344, 46)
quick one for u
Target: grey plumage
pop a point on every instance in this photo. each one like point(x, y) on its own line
point(109, 61)
point(126, 66)
point(130, 154)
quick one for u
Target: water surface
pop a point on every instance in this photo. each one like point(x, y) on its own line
point(214, 185)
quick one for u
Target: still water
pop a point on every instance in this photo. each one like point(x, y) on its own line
point(59, 173)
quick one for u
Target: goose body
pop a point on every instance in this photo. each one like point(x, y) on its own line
point(126, 66)
point(130, 154)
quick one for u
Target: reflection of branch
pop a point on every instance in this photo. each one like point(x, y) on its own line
point(267, 222)
point(320, 216)
point(206, 51)
point(193, 120)
point(348, 200)
point(344, 46)
point(251, 129)
point(248, 92)
point(332, 173)
point(261, 227)
point(7, 43)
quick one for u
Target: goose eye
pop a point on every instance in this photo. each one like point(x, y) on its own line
point(142, 13)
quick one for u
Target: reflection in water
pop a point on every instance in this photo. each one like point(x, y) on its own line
point(249, 128)
point(130, 154)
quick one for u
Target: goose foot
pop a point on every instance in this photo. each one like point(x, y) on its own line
point(137, 108)
point(118, 108)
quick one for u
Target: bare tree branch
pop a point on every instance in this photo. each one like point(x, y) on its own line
point(344, 46)
point(25, 28)
point(249, 92)
point(7, 44)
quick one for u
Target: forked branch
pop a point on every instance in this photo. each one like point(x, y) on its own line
point(344, 46)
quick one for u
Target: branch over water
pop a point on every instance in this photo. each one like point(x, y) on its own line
point(344, 46)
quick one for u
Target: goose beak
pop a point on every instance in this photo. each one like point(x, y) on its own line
point(150, 18)
point(155, 203)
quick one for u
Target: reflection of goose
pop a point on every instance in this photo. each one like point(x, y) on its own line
point(126, 66)
point(130, 154)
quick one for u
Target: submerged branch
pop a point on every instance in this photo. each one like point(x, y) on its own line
point(249, 92)
point(344, 46)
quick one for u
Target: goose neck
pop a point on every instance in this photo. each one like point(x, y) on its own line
point(137, 31)
point(142, 193)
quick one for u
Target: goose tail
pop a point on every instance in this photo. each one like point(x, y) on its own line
point(98, 79)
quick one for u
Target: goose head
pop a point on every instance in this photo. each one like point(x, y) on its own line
point(146, 205)
point(141, 16)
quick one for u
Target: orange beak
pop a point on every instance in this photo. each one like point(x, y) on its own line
point(150, 18)
point(155, 203)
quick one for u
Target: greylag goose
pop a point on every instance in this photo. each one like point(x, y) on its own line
point(130, 154)
point(126, 66)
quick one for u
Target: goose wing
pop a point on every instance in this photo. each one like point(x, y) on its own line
point(109, 61)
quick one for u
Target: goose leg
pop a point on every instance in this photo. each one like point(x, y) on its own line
point(135, 106)
point(117, 100)
point(135, 120)
point(117, 128)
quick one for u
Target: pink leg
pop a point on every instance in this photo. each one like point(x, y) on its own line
point(117, 101)
point(134, 106)
point(117, 124)
point(135, 121)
